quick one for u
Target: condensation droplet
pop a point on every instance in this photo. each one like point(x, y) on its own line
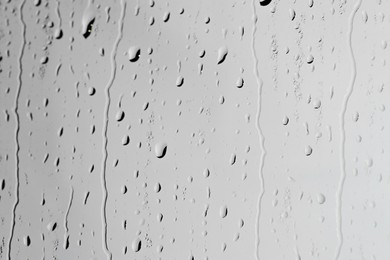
point(222, 53)
point(285, 120)
point(265, 2)
point(160, 149)
point(240, 83)
point(223, 211)
point(310, 59)
point(120, 115)
point(179, 81)
point(133, 53)
point(321, 198)
point(308, 150)
point(136, 245)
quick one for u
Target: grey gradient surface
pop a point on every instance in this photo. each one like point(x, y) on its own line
point(194, 129)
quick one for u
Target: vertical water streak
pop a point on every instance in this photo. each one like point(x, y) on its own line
point(342, 130)
point(261, 136)
point(67, 214)
point(16, 111)
point(58, 14)
point(105, 125)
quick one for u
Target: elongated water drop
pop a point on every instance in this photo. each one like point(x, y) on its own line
point(222, 53)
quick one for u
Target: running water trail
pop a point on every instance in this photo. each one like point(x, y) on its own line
point(67, 214)
point(342, 130)
point(58, 14)
point(16, 111)
point(105, 124)
point(261, 136)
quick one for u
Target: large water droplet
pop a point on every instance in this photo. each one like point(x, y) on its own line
point(87, 24)
point(160, 149)
point(133, 53)
point(136, 245)
point(265, 2)
point(222, 53)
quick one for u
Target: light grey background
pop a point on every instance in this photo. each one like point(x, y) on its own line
point(194, 129)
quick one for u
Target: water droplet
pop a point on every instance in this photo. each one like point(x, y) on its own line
point(222, 53)
point(157, 187)
point(369, 162)
point(310, 59)
point(44, 60)
point(160, 149)
point(125, 140)
point(223, 211)
point(51, 226)
point(91, 91)
point(265, 2)
point(355, 116)
point(321, 198)
point(27, 241)
point(206, 173)
point(87, 24)
point(166, 17)
point(120, 115)
point(2, 184)
point(292, 14)
point(179, 81)
point(364, 16)
point(58, 33)
point(308, 150)
point(240, 83)
point(317, 104)
point(285, 120)
point(232, 159)
point(133, 53)
point(136, 245)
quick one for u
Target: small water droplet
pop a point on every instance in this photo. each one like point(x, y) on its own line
point(232, 159)
point(179, 81)
point(206, 173)
point(223, 211)
point(292, 14)
point(321, 198)
point(310, 59)
point(317, 103)
point(308, 150)
point(240, 83)
point(285, 120)
point(157, 187)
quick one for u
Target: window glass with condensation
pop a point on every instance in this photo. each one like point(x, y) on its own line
point(199, 129)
